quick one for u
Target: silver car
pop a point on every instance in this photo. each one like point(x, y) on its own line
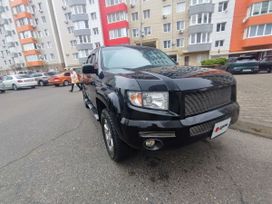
point(16, 82)
point(2, 86)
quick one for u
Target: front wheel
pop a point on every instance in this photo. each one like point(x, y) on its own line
point(41, 83)
point(33, 87)
point(14, 87)
point(116, 148)
point(65, 83)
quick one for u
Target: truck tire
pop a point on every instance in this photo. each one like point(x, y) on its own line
point(116, 148)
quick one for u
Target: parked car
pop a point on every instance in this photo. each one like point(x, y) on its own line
point(16, 82)
point(245, 64)
point(144, 100)
point(41, 78)
point(63, 79)
point(2, 85)
point(266, 64)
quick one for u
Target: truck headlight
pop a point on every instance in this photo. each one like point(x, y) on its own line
point(153, 100)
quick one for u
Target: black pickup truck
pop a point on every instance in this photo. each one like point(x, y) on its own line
point(144, 100)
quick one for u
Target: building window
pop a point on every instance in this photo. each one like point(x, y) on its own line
point(222, 6)
point(43, 19)
point(195, 2)
point(75, 56)
point(147, 30)
point(180, 7)
point(81, 25)
point(201, 18)
point(95, 31)
point(70, 29)
point(118, 33)
point(32, 58)
point(29, 46)
point(180, 25)
point(167, 44)
point(73, 43)
point(167, 27)
point(146, 13)
point(261, 8)
point(68, 16)
point(259, 30)
point(79, 9)
point(83, 53)
point(118, 16)
point(49, 44)
point(83, 39)
point(180, 42)
point(219, 43)
point(199, 38)
point(93, 16)
point(134, 16)
point(166, 10)
point(97, 44)
point(52, 56)
point(46, 32)
point(135, 32)
point(221, 27)
point(113, 2)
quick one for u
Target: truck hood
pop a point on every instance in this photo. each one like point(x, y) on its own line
point(176, 78)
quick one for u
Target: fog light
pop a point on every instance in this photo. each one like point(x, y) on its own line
point(150, 143)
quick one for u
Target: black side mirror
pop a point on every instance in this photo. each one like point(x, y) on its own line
point(88, 69)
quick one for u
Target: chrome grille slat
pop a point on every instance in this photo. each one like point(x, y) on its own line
point(203, 101)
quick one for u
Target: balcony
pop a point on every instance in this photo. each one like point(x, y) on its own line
point(199, 47)
point(18, 2)
point(28, 40)
point(79, 17)
point(85, 31)
point(201, 8)
point(200, 28)
point(35, 63)
point(25, 28)
point(22, 15)
point(77, 2)
point(85, 46)
point(264, 42)
point(31, 52)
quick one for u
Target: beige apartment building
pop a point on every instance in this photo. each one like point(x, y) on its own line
point(189, 31)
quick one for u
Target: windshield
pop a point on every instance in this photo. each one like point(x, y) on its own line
point(246, 60)
point(133, 57)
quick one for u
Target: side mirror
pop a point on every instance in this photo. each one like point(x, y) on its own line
point(88, 69)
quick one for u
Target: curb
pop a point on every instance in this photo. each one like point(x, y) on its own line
point(252, 128)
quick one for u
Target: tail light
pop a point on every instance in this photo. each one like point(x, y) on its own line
point(20, 81)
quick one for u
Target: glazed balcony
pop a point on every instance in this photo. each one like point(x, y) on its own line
point(201, 8)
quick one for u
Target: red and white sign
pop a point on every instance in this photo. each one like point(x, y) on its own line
point(220, 128)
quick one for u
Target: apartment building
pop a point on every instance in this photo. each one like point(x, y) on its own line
point(114, 18)
point(222, 20)
point(162, 24)
point(37, 33)
point(65, 28)
point(10, 50)
point(252, 28)
point(86, 19)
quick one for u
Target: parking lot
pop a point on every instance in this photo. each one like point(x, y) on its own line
point(52, 152)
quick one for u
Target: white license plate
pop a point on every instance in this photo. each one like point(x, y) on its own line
point(220, 128)
point(247, 70)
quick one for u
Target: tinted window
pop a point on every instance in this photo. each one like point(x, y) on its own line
point(67, 74)
point(246, 60)
point(134, 57)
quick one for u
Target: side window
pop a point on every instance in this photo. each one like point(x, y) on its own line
point(67, 74)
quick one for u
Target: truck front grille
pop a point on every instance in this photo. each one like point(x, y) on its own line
point(203, 101)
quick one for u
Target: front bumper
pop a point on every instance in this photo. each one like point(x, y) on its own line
point(133, 132)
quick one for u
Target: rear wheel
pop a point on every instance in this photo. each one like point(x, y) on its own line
point(269, 70)
point(33, 87)
point(41, 83)
point(65, 83)
point(3, 91)
point(116, 148)
point(14, 87)
point(56, 85)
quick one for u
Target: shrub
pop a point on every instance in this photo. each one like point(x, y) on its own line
point(216, 61)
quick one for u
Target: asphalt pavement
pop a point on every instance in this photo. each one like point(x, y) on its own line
point(52, 151)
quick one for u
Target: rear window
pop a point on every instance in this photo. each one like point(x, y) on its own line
point(246, 60)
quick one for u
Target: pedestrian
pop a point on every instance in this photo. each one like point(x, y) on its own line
point(74, 80)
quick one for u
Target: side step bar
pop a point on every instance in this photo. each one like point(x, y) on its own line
point(93, 109)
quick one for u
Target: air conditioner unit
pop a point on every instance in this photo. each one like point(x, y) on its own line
point(132, 5)
point(41, 11)
point(164, 17)
point(181, 31)
point(66, 22)
point(64, 7)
